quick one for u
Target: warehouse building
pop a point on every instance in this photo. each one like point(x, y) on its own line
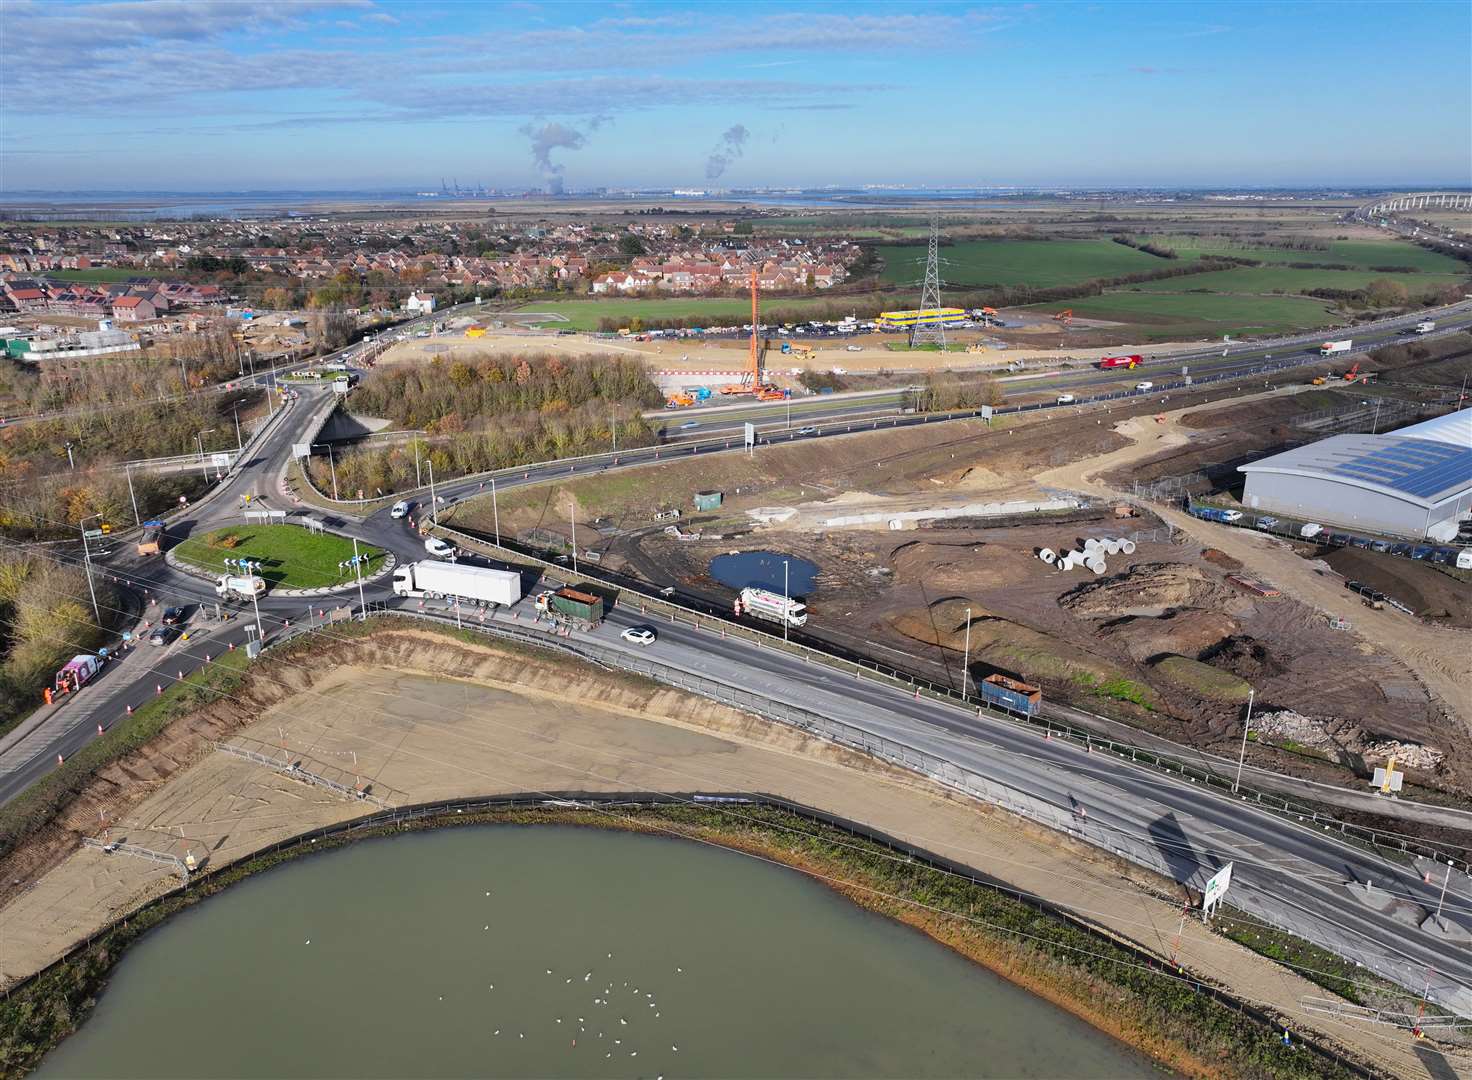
point(1415, 483)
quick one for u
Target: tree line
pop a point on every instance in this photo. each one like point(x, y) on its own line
point(490, 412)
point(45, 619)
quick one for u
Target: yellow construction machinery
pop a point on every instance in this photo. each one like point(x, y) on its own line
point(751, 379)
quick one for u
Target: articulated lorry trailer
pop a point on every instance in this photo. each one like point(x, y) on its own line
point(1329, 348)
point(478, 583)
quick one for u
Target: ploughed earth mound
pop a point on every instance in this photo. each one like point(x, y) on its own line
point(1186, 633)
point(1147, 589)
point(1202, 680)
point(1023, 652)
point(1247, 657)
point(963, 564)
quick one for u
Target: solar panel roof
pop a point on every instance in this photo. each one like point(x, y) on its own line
point(1422, 469)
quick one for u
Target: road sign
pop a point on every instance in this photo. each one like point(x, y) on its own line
point(1388, 779)
point(92, 534)
point(301, 449)
point(749, 434)
point(986, 413)
point(1216, 888)
point(220, 461)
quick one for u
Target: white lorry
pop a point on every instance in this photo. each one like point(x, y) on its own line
point(774, 607)
point(1425, 327)
point(1329, 348)
point(238, 587)
point(479, 583)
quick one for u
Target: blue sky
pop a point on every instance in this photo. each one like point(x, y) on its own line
point(208, 95)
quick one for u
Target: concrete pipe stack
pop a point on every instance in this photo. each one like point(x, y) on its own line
point(1096, 565)
point(1048, 555)
point(1127, 547)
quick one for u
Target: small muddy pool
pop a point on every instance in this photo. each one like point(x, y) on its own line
point(764, 570)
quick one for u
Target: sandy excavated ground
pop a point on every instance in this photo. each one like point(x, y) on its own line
point(1440, 656)
point(433, 736)
point(727, 354)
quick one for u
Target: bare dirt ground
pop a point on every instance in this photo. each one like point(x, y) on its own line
point(730, 354)
point(1440, 657)
point(512, 723)
point(1178, 665)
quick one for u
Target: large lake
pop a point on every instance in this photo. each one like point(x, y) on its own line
point(560, 952)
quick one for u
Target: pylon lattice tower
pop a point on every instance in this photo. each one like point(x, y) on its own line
point(922, 334)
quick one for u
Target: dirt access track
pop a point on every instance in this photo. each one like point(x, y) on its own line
point(526, 722)
point(1440, 656)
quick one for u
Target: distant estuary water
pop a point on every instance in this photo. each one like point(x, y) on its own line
point(550, 951)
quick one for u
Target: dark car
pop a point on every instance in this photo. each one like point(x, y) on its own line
point(1359, 541)
point(1337, 538)
point(162, 635)
point(1401, 549)
point(172, 616)
point(1421, 552)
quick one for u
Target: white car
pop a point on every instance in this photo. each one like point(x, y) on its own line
point(400, 509)
point(1144, 386)
point(639, 635)
point(440, 549)
point(1065, 399)
point(1231, 515)
point(855, 348)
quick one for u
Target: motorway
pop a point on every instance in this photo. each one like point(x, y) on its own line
point(1283, 870)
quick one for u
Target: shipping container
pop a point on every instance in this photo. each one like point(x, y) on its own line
point(584, 607)
point(707, 500)
point(1011, 695)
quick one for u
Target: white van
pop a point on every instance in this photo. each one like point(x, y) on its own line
point(1064, 399)
point(1310, 530)
point(400, 509)
point(440, 549)
point(1144, 386)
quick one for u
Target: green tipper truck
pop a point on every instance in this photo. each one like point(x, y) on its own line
point(580, 607)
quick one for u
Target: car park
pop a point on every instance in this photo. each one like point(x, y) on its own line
point(639, 635)
point(172, 616)
point(162, 635)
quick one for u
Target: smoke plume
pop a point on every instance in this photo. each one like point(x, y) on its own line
point(727, 150)
point(552, 136)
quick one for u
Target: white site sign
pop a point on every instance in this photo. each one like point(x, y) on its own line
point(1216, 888)
point(750, 436)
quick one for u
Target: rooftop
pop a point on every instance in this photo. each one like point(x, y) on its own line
point(1420, 470)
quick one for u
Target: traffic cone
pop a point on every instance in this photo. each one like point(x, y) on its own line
point(917, 693)
point(232, 646)
point(158, 688)
point(206, 658)
point(181, 676)
point(99, 729)
point(60, 760)
point(129, 708)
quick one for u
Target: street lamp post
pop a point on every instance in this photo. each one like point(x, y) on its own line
point(574, 537)
point(966, 657)
point(358, 569)
point(87, 563)
point(239, 442)
point(199, 438)
point(495, 512)
point(71, 464)
point(786, 602)
point(137, 518)
point(1242, 755)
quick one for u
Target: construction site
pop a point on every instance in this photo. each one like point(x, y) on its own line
point(926, 544)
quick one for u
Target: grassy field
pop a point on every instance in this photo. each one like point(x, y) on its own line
point(1041, 263)
point(97, 275)
point(290, 556)
point(586, 314)
point(1351, 254)
point(1266, 279)
point(1163, 316)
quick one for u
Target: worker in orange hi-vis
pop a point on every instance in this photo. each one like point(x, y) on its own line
point(46, 693)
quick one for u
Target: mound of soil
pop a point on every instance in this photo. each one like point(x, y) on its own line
point(1247, 657)
point(1186, 633)
point(1424, 589)
point(1222, 559)
point(1022, 652)
point(1151, 589)
point(1202, 680)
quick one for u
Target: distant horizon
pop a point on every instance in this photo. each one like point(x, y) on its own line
point(372, 95)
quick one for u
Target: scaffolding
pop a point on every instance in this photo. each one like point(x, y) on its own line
point(316, 773)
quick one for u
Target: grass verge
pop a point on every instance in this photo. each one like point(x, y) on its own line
point(41, 802)
point(290, 556)
point(1106, 984)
